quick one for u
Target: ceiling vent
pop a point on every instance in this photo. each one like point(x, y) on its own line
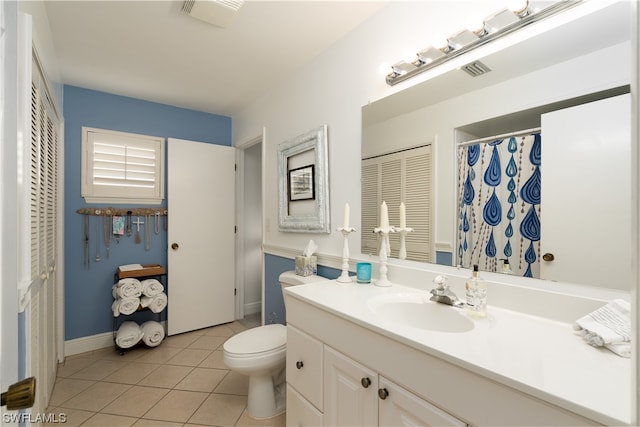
point(220, 13)
point(476, 69)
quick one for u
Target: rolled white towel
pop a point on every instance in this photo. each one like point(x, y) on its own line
point(128, 335)
point(155, 303)
point(153, 333)
point(151, 287)
point(127, 288)
point(124, 306)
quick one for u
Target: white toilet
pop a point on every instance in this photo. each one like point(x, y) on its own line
point(260, 353)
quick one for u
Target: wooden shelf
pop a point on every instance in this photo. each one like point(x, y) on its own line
point(146, 270)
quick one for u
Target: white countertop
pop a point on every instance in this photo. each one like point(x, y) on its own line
point(538, 356)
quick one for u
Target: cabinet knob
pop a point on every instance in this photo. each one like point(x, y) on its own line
point(299, 364)
point(366, 382)
point(175, 246)
point(383, 393)
point(548, 257)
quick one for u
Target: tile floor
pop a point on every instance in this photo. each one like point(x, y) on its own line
point(182, 382)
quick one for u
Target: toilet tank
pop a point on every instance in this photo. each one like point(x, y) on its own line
point(290, 278)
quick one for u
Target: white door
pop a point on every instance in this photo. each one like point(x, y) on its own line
point(201, 235)
point(582, 201)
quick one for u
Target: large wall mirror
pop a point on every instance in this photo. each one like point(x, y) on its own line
point(545, 85)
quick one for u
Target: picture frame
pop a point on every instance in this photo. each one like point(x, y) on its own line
point(303, 183)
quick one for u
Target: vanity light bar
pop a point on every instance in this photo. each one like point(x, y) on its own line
point(499, 25)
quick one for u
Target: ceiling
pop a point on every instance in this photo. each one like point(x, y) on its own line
point(151, 50)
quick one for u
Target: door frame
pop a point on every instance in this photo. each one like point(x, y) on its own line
point(240, 215)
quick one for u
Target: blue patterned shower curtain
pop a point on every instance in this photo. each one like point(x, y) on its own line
point(499, 205)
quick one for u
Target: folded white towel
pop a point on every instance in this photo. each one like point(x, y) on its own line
point(128, 335)
point(609, 327)
point(151, 287)
point(127, 288)
point(153, 333)
point(124, 306)
point(156, 303)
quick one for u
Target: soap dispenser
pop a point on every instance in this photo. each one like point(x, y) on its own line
point(506, 268)
point(476, 290)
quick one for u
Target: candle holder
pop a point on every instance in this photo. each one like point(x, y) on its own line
point(383, 281)
point(403, 247)
point(344, 277)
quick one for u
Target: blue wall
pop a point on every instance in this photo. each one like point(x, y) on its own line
point(87, 291)
point(274, 311)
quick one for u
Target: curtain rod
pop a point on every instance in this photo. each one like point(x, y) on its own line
point(504, 135)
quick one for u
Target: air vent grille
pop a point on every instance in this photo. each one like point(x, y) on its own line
point(476, 69)
point(216, 12)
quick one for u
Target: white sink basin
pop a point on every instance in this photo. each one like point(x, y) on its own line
point(415, 310)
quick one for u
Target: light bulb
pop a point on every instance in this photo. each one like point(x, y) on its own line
point(409, 56)
point(439, 41)
point(518, 6)
point(385, 69)
point(475, 24)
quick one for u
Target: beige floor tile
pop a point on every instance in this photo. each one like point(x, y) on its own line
point(189, 357)
point(233, 383)
point(177, 406)
point(202, 379)
point(208, 342)
point(237, 327)
point(247, 421)
point(182, 340)
point(96, 397)
point(65, 388)
point(97, 370)
point(108, 420)
point(112, 354)
point(214, 360)
point(219, 410)
point(136, 401)
point(166, 376)
point(71, 365)
point(72, 417)
point(219, 331)
point(156, 423)
point(132, 373)
point(160, 354)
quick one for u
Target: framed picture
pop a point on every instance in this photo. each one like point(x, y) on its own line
point(302, 183)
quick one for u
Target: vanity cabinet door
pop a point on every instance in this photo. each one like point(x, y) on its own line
point(350, 392)
point(399, 407)
point(300, 412)
point(304, 365)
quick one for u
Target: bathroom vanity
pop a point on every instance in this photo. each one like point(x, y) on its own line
point(365, 355)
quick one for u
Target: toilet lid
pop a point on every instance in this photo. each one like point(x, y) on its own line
point(257, 340)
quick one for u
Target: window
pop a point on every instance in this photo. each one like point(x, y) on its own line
point(120, 167)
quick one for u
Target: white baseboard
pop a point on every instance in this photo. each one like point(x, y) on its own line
point(252, 307)
point(90, 343)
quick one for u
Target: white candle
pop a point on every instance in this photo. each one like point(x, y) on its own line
point(403, 216)
point(345, 225)
point(384, 216)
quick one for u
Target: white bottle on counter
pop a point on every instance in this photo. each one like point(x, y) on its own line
point(476, 290)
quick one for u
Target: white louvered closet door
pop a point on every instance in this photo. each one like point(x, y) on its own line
point(394, 178)
point(44, 200)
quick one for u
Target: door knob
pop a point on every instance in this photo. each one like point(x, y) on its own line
point(20, 395)
point(383, 393)
point(548, 257)
point(366, 382)
point(299, 364)
point(175, 246)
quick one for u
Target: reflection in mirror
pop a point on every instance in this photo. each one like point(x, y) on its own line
point(528, 82)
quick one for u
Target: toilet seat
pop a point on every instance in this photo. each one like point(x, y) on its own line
point(262, 340)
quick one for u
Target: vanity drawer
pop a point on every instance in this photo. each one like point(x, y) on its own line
point(304, 365)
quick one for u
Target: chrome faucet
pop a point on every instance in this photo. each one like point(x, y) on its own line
point(442, 294)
